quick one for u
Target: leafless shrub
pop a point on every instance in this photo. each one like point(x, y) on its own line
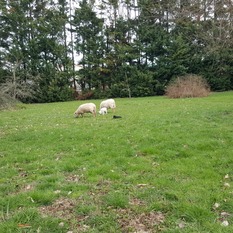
point(85, 95)
point(6, 101)
point(188, 86)
point(16, 89)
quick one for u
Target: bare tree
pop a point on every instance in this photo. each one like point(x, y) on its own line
point(15, 87)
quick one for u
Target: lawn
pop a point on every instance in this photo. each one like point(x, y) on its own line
point(165, 166)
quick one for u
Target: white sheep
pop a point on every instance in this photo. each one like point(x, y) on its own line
point(109, 103)
point(103, 111)
point(85, 108)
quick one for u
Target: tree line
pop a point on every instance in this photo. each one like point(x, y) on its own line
point(126, 48)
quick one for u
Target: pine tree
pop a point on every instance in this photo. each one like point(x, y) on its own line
point(32, 36)
point(88, 29)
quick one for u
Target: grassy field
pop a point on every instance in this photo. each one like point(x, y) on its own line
point(165, 166)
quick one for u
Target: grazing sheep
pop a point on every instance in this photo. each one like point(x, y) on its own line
point(103, 111)
point(86, 108)
point(109, 103)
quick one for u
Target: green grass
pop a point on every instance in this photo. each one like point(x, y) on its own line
point(160, 168)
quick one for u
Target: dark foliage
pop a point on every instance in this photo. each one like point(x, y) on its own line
point(130, 55)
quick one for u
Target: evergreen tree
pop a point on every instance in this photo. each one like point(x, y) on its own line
point(128, 47)
point(31, 32)
point(14, 30)
point(88, 29)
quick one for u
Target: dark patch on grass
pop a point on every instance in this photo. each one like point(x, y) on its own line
point(140, 222)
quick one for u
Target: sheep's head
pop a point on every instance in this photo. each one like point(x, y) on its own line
point(103, 111)
point(76, 114)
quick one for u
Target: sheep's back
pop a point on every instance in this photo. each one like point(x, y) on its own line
point(110, 103)
point(88, 107)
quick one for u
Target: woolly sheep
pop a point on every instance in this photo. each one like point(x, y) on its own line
point(109, 103)
point(103, 111)
point(86, 108)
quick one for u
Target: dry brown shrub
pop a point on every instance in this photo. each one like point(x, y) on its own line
point(85, 95)
point(188, 86)
point(6, 101)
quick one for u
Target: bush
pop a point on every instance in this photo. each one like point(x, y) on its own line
point(100, 94)
point(119, 90)
point(187, 87)
point(6, 101)
point(85, 95)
